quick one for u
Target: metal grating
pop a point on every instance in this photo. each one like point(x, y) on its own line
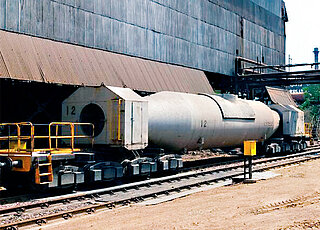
point(36, 59)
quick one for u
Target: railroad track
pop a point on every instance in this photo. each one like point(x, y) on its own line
point(41, 211)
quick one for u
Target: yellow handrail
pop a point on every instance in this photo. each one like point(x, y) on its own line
point(18, 137)
point(72, 132)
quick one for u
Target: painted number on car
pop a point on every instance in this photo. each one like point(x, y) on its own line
point(204, 123)
point(71, 110)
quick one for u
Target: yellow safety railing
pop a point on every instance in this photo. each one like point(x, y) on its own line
point(18, 138)
point(73, 133)
point(14, 138)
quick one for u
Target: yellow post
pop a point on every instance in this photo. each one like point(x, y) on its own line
point(250, 148)
point(32, 138)
point(50, 136)
point(57, 132)
point(19, 140)
point(72, 136)
point(308, 129)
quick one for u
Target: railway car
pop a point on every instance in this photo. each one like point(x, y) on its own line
point(107, 133)
point(291, 135)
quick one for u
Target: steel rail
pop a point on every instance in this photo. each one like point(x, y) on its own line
point(198, 178)
point(185, 172)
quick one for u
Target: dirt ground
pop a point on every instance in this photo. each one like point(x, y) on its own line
point(198, 155)
point(289, 201)
point(203, 154)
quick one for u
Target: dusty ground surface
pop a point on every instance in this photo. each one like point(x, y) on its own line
point(289, 201)
point(203, 154)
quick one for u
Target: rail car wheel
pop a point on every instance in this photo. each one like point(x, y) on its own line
point(39, 188)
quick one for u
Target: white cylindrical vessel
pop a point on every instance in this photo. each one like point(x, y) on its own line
point(180, 121)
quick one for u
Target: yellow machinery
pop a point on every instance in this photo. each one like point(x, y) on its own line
point(308, 130)
point(20, 142)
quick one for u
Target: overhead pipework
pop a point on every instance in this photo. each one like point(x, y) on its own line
point(251, 75)
point(316, 57)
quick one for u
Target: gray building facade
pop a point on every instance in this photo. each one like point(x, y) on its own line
point(201, 34)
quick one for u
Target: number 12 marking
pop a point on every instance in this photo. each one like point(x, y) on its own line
point(73, 110)
point(203, 123)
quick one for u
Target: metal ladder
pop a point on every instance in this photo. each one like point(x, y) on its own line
point(43, 174)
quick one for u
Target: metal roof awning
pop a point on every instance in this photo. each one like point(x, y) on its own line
point(280, 96)
point(28, 58)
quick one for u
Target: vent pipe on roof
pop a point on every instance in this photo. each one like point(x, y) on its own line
point(316, 58)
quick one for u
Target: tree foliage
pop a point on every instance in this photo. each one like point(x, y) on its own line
point(311, 106)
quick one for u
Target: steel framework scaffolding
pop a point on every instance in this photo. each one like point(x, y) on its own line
point(251, 76)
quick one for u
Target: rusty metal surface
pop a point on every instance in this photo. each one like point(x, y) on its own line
point(280, 96)
point(298, 97)
point(29, 58)
point(201, 34)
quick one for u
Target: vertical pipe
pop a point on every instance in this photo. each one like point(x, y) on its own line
point(316, 57)
point(250, 167)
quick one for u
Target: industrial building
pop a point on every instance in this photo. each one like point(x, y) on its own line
point(50, 47)
point(204, 34)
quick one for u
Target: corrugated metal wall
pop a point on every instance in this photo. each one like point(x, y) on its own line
point(202, 34)
point(272, 6)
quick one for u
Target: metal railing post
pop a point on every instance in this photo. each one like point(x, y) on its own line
point(18, 136)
